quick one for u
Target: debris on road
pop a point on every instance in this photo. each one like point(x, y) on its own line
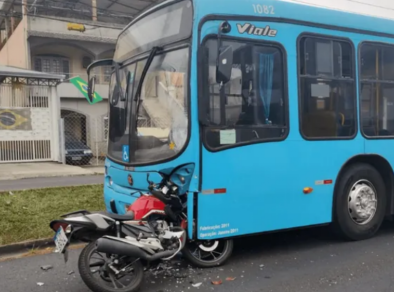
point(219, 282)
point(230, 279)
point(180, 276)
point(40, 284)
point(162, 268)
point(46, 268)
point(70, 273)
point(196, 285)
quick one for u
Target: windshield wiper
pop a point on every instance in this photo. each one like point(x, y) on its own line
point(137, 98)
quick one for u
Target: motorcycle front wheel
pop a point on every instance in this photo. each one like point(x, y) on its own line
point(96, 273)
point(208, 253)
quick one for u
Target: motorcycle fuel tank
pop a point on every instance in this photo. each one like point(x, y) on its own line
point(146, 205)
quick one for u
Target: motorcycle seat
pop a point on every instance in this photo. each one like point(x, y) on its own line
point(127, 217)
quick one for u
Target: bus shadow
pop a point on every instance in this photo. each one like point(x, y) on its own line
point(295, 240)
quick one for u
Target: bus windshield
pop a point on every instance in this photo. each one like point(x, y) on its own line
point(153, 126)
point(168, 25)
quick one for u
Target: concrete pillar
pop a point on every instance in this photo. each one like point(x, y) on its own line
point(7, 28)
point(24, 7)
point(12, 20)
point(54, 103)
point(94, 10)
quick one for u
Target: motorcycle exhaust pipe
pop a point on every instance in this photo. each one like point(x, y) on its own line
point(106, 245)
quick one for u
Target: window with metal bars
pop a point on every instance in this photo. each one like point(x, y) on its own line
point(52, 64)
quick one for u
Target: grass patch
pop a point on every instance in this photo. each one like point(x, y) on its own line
point(25, 215)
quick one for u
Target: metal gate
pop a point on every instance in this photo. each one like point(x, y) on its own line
point(25, 123)
point(85, 138)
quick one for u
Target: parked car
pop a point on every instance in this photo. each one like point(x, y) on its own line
point(77, 152)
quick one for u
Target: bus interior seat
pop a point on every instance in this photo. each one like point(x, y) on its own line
point(320, 124)
point(213, 137)
point(369, 131)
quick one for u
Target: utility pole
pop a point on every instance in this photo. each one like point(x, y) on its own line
point(12, 19)
point(94, 10)
point(24, 7)
point(7, 28)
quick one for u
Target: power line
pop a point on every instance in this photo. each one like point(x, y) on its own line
point(81, 12)
point(369, 4)
point(105, 12)
point(89, 6)
point(85, 4)
point(20, 16)
point(354, 1)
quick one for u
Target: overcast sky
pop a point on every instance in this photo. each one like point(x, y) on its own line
point(378, 8)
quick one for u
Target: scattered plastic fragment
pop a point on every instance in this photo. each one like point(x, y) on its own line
point(180, 276)
point(46, 268)
point(197, 285)
point(70, 273)
point(230, 279)
point(219, 282)
point(40, 284)
point(168, 274)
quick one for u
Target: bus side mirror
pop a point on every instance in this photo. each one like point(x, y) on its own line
point(224, 64)
point(91, 86)
point(92, 80)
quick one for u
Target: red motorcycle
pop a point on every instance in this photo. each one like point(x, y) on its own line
point(122, 246)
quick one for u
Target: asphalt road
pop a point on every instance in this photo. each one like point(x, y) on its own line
point(37, 183)
point(307, 260)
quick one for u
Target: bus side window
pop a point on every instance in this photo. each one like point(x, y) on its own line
point(255, 103)
point(327, 88)
point(377, 90)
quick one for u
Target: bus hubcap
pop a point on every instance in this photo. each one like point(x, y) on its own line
point(362, 202)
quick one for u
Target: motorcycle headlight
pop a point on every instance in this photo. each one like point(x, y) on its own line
point(68, 229)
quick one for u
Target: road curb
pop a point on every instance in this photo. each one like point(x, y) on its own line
point(26, 245)
point(19, 248)
point(59, 175)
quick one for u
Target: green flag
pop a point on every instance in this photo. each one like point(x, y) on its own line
point(83, 87)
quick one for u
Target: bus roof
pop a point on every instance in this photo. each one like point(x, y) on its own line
point(364, 15)
point(373, 8)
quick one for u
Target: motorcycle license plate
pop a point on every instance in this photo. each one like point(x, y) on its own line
point(61, 240)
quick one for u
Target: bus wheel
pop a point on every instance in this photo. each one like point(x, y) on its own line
point(359, 202)
point(208, 253)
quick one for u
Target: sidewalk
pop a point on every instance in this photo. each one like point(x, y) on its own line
point(44, 169)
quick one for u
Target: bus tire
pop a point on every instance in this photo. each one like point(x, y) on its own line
point(360, 202)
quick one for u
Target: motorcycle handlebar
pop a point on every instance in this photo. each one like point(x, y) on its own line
point(159, 195)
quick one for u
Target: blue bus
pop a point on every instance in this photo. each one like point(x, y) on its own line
point(274, 115)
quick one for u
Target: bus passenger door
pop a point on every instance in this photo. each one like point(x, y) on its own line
point(245, 153)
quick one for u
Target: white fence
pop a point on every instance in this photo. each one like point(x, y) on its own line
point(27, 124)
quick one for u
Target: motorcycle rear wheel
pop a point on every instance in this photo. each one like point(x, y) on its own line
point(107, 277)
point(208, 254)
